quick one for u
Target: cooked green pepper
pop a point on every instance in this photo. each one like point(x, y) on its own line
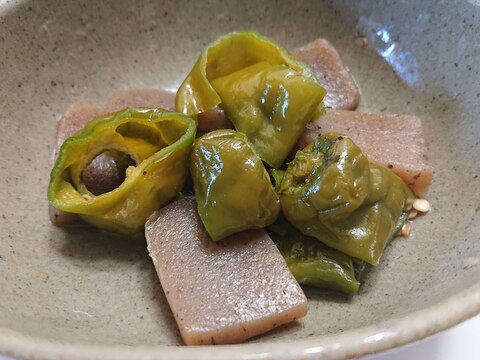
point(267, 93)
point(313, 263)
point(361, 266)
point(232, 187)
point(331, 192)
point(158, 141)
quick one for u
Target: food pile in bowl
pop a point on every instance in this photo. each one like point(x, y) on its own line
point(255, 177)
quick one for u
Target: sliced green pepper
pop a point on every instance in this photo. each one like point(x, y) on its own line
point(267, 93)
point(232, 187)
point(331, 192)
point(158, 141)
point(313, 263)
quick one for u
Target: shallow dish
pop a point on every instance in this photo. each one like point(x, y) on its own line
point(82, 294)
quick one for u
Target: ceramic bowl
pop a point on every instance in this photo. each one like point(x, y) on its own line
point(81, 294)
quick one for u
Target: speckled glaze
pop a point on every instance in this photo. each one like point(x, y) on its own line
point(83, 294)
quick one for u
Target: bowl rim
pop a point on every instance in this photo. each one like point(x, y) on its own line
point(357, 342)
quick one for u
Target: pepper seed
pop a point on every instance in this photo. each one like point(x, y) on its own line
point(412, 214)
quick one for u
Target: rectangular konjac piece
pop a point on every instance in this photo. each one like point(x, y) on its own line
point(394, 141)
point(323, 58)
point(220, 292)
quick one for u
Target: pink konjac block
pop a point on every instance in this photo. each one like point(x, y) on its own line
point(321, 56)
point(395, 141)
point(220, 292)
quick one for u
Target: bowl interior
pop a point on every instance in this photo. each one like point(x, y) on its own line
point(83, 286)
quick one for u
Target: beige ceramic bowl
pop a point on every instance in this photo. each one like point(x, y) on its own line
point(81, 294)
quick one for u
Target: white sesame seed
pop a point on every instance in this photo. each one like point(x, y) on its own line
point(412, 214)
point(362, 42)
point(406, 229)
point(421, 205)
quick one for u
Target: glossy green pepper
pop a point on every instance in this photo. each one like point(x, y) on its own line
point(158, 141)
point(266, 92)
point(313, 263)
point(331, 192)
point(232, 187)
point(361, 266)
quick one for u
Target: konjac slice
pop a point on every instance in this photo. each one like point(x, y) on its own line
point(395, 141)
point(331, 72)
point(72, 120)
point(220, 292)
point(213, 119)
